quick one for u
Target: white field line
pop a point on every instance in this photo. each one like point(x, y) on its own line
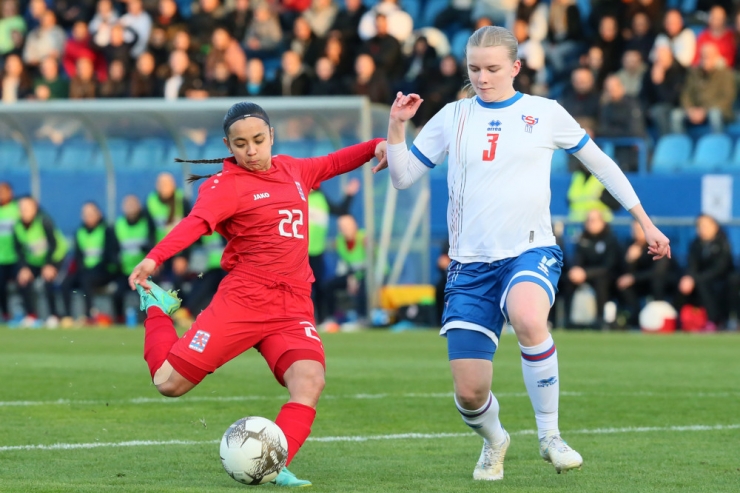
point(432, 395)
point(400, 436)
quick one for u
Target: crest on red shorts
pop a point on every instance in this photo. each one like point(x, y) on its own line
point(200, 339)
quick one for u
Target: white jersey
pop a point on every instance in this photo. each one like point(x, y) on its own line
point(498, 180)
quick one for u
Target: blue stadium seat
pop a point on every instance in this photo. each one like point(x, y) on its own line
point(46, 154)
point(432, 9)
point(413, 7)
point(119, 150)
point(671, 153)
point(295, 148)
point(78, 154)
point(459, 42)
point(733, 164)
point(192, 151)
point(148, 152)
point(12, 154)
point(559, 162)
point(322, 148)
point(711, 152)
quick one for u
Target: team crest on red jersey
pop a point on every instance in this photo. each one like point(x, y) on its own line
point(200, 339)
point(300, 191)
point(529, 122)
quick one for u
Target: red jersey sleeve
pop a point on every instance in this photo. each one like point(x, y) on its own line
point(187, 232)
point(217, 200)
point(317, 169)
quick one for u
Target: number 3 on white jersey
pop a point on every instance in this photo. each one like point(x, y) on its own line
point(289, 220)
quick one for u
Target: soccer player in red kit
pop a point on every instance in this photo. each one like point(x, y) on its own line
point(258, 203)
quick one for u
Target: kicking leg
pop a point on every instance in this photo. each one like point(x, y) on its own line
point(159, 337)
point(471, 355)
point(528, 305)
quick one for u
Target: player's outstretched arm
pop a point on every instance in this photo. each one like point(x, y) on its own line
point(404, 171)
point(187, 232)
point(612, 177)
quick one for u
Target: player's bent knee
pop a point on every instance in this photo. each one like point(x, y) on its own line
point(175, 388)
point(471, 397)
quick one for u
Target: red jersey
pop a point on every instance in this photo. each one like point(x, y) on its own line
point(263, 215)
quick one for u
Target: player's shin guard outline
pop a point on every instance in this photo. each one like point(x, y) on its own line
point(484, 421)
point(541, 377)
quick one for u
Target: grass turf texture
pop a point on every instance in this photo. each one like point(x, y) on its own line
point(612, 380)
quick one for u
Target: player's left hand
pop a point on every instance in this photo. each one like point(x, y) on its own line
point(659, 245)
point(381, 151)
point(141, 273)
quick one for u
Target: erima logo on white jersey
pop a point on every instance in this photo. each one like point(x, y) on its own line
point(258, 196)
point(545, 263)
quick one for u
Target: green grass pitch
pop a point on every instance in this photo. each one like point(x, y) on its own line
point(648, 413)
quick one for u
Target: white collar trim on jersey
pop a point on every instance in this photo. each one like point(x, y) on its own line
point(500, 104)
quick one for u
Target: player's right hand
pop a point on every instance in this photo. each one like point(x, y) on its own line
point(141, 273)
point(405, 107)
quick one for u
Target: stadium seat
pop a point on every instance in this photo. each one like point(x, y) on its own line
point(559, 162)
point(78, 154)
point(732, 165)
point(12, 154)
point(147, 152)
point(46, 153)
point(119, 151)
point(671, 153)
point(295, 148)
point(459, 42)
point(710, 153)
point(432, 9)
point(413, 7)
point(192, 151)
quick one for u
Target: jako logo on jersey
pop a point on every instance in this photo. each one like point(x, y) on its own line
point(546, 382)
point(530, 122)
point(200, 339)
point(545, 263)
point(494, 126)
point(300, 191)
point(258, 196)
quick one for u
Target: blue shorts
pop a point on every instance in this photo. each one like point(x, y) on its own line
point(475, 297)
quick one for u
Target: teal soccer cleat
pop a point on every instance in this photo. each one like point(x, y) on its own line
point(167, 301)
point(288, 479)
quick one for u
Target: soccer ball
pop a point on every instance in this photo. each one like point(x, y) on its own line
point(254, 450)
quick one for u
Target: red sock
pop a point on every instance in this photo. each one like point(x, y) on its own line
point(295, 420)
point(159, 337)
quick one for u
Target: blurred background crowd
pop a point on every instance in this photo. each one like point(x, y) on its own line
point(658, 71)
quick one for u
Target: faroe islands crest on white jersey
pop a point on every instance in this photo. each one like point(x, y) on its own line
point(498, 179)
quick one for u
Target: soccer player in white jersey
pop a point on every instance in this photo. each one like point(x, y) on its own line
point(505, 263)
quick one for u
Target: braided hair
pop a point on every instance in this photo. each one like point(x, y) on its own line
point(238, 111)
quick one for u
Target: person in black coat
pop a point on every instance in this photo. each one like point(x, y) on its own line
point(581, 99)
point(347, 23)
point(621, 116)
point(706, 281)
point(291, 79)
point(644, 276)
point(385, 50)
point(596, 262)
point(325, 82)
point(661, 88)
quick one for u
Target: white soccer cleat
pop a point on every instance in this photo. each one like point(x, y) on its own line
point(490, 466)
point(554, 450)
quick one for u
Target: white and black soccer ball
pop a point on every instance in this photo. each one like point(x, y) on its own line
point(254, 450)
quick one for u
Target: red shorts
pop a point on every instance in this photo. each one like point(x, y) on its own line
point(271, 313)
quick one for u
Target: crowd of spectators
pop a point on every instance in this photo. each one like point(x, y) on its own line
point(622, 68)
